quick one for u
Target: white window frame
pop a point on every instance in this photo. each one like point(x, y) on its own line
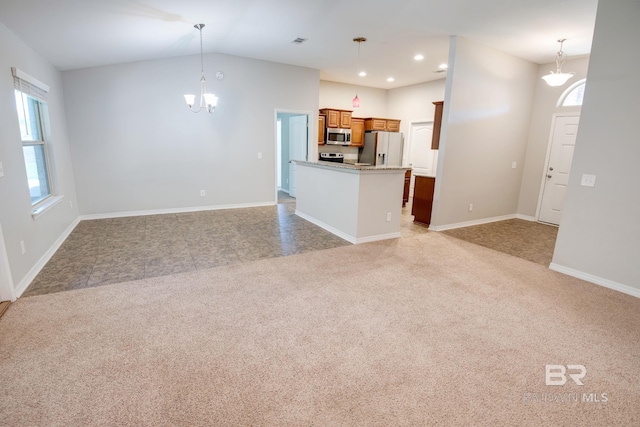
point(29, 87)
point(568, 91)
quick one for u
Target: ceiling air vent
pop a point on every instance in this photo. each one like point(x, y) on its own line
point(298, 40)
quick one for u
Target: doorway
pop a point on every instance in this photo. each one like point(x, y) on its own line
point(422, 159)
point(564, 130)
point(292, 142)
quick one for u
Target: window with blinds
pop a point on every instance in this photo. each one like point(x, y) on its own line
point(31, 105)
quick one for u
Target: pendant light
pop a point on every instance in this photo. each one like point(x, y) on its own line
point(208, 101)
point(355, 102)
point(558, 78)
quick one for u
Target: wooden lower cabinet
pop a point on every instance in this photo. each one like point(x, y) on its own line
point(407, 186)
point(423, 199)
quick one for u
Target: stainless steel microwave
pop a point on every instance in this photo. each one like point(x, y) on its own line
point(338, 136)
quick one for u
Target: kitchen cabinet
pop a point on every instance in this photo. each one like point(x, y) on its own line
point(423, 199)
point(407, 185)
point(388, 125)
point(437, 124)
point(337, 118)
point(357, 132)
point(321, 127)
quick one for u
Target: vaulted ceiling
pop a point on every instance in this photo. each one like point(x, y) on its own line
point(87, 33)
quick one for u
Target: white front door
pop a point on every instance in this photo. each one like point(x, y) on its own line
point(422, 158)
point(297, 147)
point(563, 141)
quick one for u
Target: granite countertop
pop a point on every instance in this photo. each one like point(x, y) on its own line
point(350, 166)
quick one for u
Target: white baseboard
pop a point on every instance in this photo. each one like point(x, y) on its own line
point(175, 210)
point(625, 289)
point(345, 236)
point(470, 223)
point(526, 217)
point(26, 281)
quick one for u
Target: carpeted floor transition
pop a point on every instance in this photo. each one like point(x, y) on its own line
point(426, 330)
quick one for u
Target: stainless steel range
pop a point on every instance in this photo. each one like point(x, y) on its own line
point(332, 157)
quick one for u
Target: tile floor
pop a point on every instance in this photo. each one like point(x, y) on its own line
point(105, 251)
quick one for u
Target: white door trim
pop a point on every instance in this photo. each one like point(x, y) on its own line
point(312, 124)
point(7, 290)
point(554, 117)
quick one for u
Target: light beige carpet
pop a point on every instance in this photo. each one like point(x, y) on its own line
point(427, 330)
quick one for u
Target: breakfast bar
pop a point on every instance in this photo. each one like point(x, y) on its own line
point(359, 203)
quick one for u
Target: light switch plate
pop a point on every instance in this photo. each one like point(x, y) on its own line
point(1, 169)
point(514, 164)
point(588, 180)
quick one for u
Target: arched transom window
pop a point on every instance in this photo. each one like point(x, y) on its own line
point(573, 95)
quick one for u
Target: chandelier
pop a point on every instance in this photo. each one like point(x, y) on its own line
point(558, 78)
point(208, 101)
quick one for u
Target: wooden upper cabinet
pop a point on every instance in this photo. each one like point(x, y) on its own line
point(357, 132)
point(345, 119)
point(337, 118)
point(393, 125)
point(389, 125)
point(437, 124)
point(375, 124)
point(321, 127)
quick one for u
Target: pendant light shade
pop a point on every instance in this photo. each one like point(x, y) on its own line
point(558, 78)
point(208, 101)
point(355, 102)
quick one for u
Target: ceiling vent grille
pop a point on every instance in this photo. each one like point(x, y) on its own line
point(298, 40)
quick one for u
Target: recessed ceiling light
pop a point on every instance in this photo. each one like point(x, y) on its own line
point(362, 74)
point(390, 79)
point(418, 57)
point(443, 66)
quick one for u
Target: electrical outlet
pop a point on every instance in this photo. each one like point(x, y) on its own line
point(202, 193)
point(388, 216)
point(70, 205)
point(1, 169)
point(588, 180)
point(514, 164)
point(259, 155)
point(22, 248)
point(470, 207)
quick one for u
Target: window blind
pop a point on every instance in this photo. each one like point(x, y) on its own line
point(29, 85)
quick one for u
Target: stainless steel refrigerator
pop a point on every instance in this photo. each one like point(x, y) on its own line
point(382, 148)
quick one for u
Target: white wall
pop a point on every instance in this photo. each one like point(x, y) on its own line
point(373, 101)
point(544, 106)
point(15, 204)
point(137, 147)
point(599, 236)
point(486, 118)
point(415, 103)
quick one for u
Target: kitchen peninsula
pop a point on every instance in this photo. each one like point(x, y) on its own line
point(355, 202)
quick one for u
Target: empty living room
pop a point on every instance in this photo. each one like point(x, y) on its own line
point(157, 267)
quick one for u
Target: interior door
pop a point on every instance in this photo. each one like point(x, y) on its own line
point(297, 147)
point(422, 158)
point(563, 141)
